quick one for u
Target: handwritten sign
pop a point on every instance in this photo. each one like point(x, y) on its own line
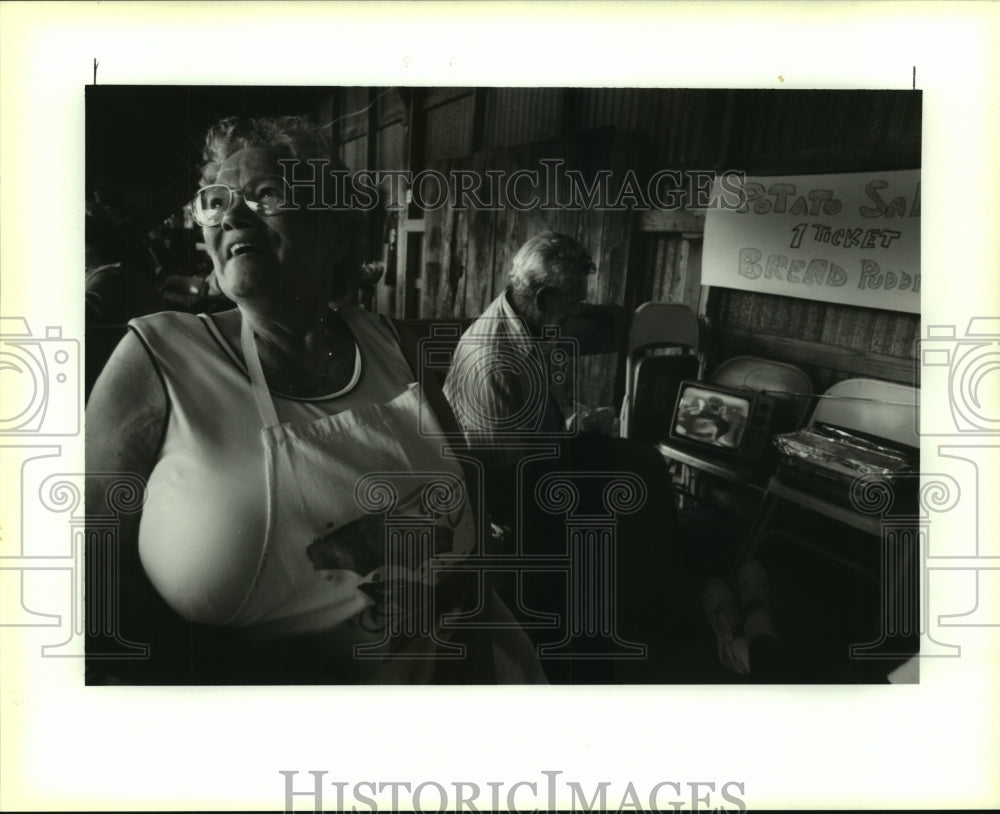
point(850, 238)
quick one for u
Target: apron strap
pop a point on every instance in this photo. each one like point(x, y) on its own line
point(265, 404)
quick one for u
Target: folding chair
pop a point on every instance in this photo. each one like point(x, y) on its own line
point(873, 578)
point(790, 386)
point(661, 353)
point(877, 409)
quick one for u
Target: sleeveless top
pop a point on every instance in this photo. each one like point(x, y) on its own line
point(208, 513)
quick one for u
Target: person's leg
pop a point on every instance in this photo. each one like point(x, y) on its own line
point(723, 615)
point(768, 659)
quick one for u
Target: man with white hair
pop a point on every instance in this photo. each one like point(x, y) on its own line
point(504, 385)
point(508, 385)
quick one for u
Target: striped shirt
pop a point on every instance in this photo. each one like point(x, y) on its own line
point(504, 385)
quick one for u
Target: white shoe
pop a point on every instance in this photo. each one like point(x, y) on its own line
point(724, 617)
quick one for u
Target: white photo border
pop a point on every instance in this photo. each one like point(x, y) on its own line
point(67, 746)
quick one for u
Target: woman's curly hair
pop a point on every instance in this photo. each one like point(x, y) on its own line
point(289, 137)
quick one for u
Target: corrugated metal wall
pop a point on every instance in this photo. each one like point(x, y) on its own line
point(523, 115)
point(466, 254)
point(682, 127)
point(448, 129)
point(840, 129)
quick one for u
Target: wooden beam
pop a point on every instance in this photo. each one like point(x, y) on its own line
point(391, 108)
point(672, 220)
point(798, 351)
point(416, 150)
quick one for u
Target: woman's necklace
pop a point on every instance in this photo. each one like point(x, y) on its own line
point(325, 375)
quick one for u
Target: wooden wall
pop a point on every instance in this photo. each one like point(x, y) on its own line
point(445, 263)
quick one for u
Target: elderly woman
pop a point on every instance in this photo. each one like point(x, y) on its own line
point(298, 514)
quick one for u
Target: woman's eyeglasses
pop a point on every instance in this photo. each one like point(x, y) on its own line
point(267, 195)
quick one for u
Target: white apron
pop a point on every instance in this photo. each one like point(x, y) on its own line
point(356, 504)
